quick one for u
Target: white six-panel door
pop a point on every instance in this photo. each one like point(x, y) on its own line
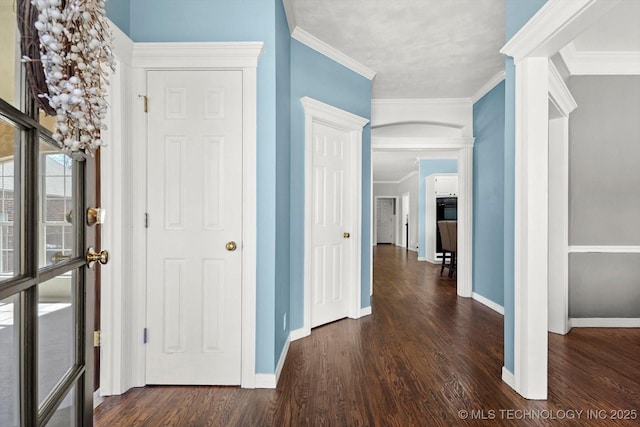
point(332, 245)
point(195, 209)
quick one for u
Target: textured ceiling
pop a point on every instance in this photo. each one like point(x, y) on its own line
point(436, 48)
point(418, 48)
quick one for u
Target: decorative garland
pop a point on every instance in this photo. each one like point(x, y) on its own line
point(76, 56)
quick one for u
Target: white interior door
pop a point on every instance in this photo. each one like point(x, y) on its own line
point(195, 208)
point(332, 256)
point(384, 220)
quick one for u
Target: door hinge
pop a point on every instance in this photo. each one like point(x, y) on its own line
point(145, 101)
point(146, 220)
point(145, 336)
point(96, 338)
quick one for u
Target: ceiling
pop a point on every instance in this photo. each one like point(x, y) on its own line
point(418, 48)
point(425, 49)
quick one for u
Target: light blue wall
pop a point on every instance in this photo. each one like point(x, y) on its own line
point(517, 13)
point(319, 77)
point(283, 189)
point(426, 168)
point(119, 12)
point(488, 195)
point(246, 20)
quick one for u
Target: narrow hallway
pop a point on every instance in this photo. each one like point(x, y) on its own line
point(425, 357)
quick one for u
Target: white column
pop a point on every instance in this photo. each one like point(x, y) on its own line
point(531, 227)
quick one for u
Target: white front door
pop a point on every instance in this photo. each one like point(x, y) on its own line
point(384, 215)
point(194, 203)
point(332, 247)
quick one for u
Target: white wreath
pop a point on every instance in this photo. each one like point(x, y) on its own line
point(76, 53)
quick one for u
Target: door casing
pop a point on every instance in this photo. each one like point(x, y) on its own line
point(316, 111)
point(124, 289)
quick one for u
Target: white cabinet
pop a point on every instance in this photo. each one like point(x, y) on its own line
point(445, 185)
point(438, 185)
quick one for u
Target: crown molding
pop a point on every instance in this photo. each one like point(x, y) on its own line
point(559, 93)
point(290, 13)
point(330, 52)
point(592, 63)
point(488, 86)
point(556, 23)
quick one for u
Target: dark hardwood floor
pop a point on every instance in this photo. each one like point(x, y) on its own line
point(424, 358)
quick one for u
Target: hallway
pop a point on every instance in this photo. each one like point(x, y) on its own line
point(425, 357)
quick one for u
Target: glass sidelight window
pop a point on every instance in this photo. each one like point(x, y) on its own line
point(45, 291)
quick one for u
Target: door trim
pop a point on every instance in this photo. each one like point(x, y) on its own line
point(460, 149)
point(396, 222)
point(319, 112)
point(124, 308)
point(552, 27)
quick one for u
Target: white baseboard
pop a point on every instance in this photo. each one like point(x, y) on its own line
point(365, 311)
point(508, 378)
point(413, 249)
point(271, 380)
point(296, 334)
point(492, 305)
point(266, 381)
point(421, 258)
point(604, 322)
point(97, 399)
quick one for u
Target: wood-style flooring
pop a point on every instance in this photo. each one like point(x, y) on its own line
point(423, 358)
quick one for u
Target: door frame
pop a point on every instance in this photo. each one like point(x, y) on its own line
point(461, 149)
point(319, 112)
point(124, 291)
point(403, 233)
point(555, 25)
point(395, 222)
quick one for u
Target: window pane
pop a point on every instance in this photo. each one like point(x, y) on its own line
point(9, 54)
point(65, 415)
point(57, 217)
point(9, 136)
point(56, 331)
point(9, 362)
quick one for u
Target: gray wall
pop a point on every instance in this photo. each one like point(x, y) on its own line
point(604, 195)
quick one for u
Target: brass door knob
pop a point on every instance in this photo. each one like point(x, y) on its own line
point(92, 257)
point(231, 246)
point(346, 235)
point(59, 257)
point(95, 216)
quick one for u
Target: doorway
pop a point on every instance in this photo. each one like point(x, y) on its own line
point(405, 220)
point(333, 200)
point(385, 220)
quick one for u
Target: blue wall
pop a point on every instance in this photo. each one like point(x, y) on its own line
point(488, 195)
point(319, 77)
point(119, 11)
point(426, 168)
point(283, 190)
point(245, 20)
point(517, 13)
